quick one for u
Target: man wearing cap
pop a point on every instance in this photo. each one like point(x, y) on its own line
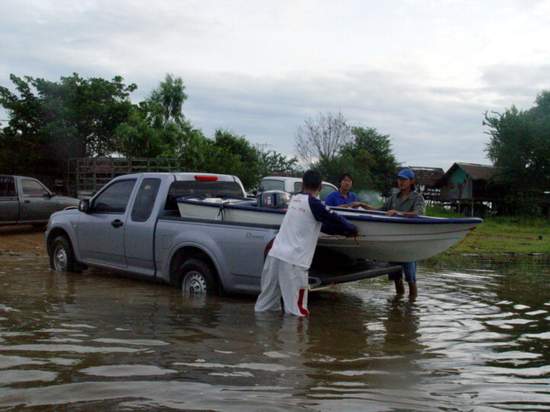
point(405, 202)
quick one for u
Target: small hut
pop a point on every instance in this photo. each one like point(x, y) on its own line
point(426, 181)
point(466, 186)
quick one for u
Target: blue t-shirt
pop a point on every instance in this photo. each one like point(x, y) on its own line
point(336, 199)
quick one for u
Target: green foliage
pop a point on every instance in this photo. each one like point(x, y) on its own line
point(372, 159)
point(440, 211)
point(51, 122)
point(168, 99)
point(368, 157)
point(156, 127)
point(274, 163)
point(520, 147)
point(233, 154)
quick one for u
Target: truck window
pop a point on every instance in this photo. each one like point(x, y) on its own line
point(297, 187)
point(31, 188)
point(145, 200)
point(272, 184)
point(114, 199)
point(201, 189)
point(325, 191)
point(7, 186)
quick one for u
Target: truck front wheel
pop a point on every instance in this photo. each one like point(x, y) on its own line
point(196, 278)
point(62, 256)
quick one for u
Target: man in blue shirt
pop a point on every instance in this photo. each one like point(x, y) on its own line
point(344, 197)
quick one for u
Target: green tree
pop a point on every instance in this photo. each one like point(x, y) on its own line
point(273, 163)
point(371, 158)
point(169, 98)
point(233, 154)
point(519, 146)
point(50, 122)
point(335, 148)
point(157, 126)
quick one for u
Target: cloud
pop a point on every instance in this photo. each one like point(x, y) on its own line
point(423, 71)
point(427, 126)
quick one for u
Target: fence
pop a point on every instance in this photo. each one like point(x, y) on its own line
point(87, 175)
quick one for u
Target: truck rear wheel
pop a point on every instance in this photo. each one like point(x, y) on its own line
point(197, 278)
point(61, 255)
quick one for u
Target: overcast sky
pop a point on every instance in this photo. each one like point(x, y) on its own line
point(422, 71)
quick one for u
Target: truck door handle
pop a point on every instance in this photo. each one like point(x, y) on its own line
point(117, 223)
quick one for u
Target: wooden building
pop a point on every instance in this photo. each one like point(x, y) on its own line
point(467, 186)
point(427, 179)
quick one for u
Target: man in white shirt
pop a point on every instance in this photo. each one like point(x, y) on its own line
point(285, 271)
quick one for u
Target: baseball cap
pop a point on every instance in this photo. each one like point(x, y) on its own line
point(406, 174)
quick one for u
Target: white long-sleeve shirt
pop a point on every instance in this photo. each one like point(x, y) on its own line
point(297, 238)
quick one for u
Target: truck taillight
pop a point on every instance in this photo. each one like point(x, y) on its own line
point(206, 178)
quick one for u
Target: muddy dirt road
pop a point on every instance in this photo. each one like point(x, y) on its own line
point(22, 240)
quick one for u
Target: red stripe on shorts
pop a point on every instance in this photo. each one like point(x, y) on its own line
point(301, 308)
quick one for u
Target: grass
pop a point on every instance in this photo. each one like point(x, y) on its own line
point(502, 236)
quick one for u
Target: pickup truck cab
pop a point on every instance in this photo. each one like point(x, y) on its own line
point(292, 185)
point(133, 225)
point(25, 200)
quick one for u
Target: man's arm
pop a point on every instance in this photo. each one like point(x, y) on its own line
point(419, 207)
point(333, 224)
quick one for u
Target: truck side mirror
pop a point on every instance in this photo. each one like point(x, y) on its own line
point(84, 206)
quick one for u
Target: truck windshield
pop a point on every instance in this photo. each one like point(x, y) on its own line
point(202, 189)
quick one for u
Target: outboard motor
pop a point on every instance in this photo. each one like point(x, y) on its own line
point(273, 199)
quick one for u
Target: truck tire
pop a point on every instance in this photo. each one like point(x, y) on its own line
point(197, 278)
point(62, 256)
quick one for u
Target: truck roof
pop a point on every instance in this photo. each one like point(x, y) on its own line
point(289, 178)
point(292, 179)
point(185, 176)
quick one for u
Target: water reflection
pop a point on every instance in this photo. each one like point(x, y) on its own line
point(476, 338)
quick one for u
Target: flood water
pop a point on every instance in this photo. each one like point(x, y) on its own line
point(476, 338)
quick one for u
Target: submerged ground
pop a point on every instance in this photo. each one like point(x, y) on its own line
point(476, 338)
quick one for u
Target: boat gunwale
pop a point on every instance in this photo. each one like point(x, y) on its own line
point(365, 217)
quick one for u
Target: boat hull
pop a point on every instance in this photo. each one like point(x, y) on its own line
point(380, 237)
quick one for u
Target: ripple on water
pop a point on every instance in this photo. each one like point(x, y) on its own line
point(57, 330)
point(6, 308)
point(11, 361)
point(266, 367)
point(159, 394)
point(67, 348)
point(9, 377)
point(127, 370)
point(139, 342)
point(530, 336)
point(78, 325)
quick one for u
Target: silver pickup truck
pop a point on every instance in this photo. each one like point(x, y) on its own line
point(133, 225)
point(25, 200)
